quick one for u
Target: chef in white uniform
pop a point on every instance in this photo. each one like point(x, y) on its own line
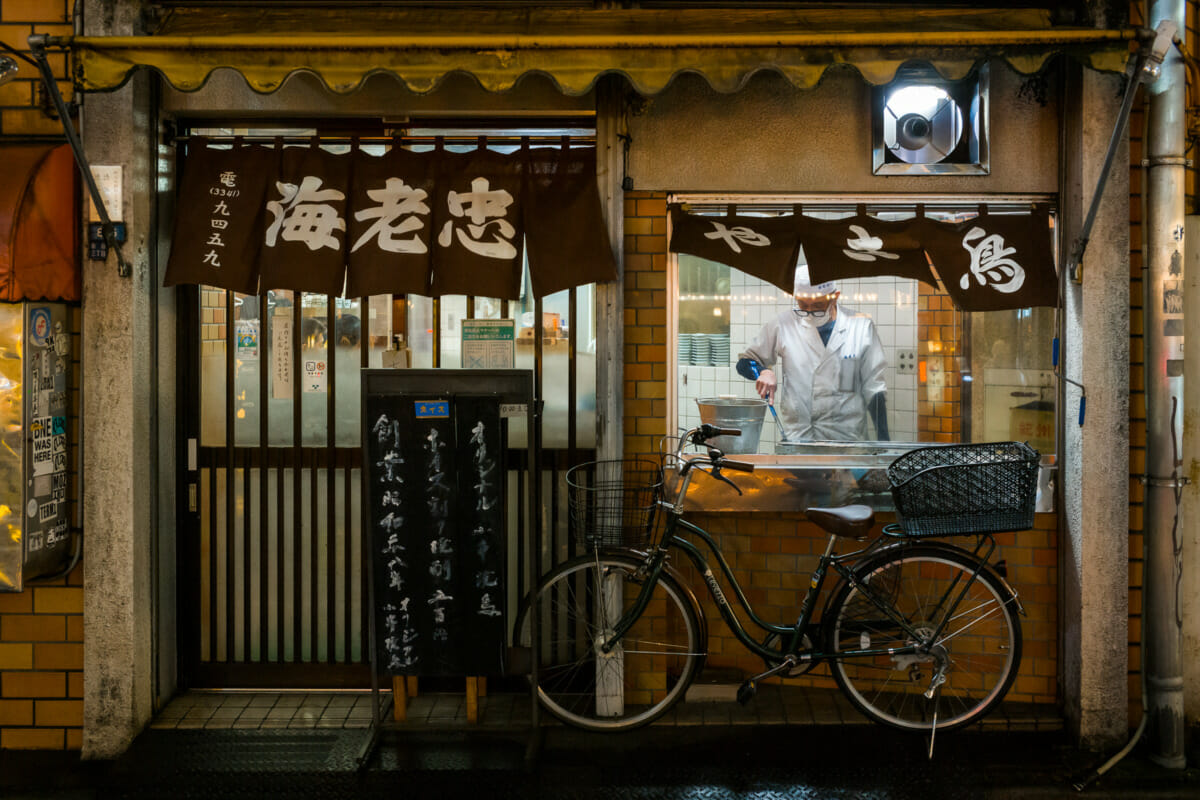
point(822, 366)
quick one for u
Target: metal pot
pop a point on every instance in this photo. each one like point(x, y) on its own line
point(745, 414)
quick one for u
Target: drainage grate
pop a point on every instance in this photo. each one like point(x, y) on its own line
point(174, 752)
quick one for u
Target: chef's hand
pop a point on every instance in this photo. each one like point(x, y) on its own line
point(765, 385)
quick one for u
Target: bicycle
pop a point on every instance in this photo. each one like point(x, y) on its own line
point(919, 635)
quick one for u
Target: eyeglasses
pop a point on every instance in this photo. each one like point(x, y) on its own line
point(820, 313)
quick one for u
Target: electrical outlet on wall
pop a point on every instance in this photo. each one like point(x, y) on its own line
point(906, 362)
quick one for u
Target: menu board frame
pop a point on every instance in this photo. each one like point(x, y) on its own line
point(413, 400)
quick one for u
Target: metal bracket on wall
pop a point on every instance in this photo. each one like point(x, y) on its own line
point(1144, 66)
point(37, 45)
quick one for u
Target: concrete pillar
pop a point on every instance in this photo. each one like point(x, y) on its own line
point(610, 297)
point(1094, 549)
point(118, 410)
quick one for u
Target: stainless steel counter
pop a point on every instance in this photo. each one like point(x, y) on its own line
point(820, 477)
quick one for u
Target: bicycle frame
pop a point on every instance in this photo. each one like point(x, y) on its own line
point(791, 636)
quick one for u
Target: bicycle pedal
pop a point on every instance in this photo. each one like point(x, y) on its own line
point(746, 692)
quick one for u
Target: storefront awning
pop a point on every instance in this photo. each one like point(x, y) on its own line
point(39, 224)
point(575, 47)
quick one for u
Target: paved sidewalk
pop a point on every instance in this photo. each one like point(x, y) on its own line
point(725, 761)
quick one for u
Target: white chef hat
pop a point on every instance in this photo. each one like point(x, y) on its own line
point(802, 287)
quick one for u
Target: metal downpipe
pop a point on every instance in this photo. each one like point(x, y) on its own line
point(1163, 336)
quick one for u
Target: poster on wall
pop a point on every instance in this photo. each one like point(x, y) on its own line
point(488, 343)
point(47, 408)
point(314, 374)
point(247, 339)
point(281, 356)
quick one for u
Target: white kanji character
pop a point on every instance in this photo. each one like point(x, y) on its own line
point(221, 208)
point(486, 607)
point(477, 434)
point(308, 216)
point(211, 258)
point(395, 200)
point(865, 247)
point(990, 263)
point(229, 178)
point(478, 206)
point(215, 240)
point(738, 233)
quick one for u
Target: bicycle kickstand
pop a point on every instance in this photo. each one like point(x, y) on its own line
point(747, 690)
point(935, 685)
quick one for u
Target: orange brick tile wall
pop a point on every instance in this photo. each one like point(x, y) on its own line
point(939, 385)
point(772, 554)
point(41, 628)
point(21, 100)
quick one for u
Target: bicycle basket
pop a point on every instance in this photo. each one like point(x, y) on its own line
point(965, 489)
point(612, 503)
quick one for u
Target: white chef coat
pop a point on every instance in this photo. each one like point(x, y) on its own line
point(823, 389)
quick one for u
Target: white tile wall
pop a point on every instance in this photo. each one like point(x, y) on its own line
point(891, 302)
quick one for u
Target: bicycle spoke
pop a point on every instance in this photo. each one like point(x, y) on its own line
point(648, 668)
point(968, 667)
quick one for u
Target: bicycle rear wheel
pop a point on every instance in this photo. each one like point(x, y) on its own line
point(647, 672)
point(979, 644)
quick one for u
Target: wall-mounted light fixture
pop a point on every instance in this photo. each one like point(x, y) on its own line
point(925, 125)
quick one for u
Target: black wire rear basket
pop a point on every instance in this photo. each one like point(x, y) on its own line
point(965, 489)
point(613, 503)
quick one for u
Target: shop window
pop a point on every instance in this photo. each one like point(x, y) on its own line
point(951, 376)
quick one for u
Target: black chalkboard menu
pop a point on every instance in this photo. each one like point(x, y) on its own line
point(435, 516)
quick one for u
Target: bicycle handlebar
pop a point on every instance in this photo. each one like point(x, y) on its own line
point(716, 459)
point(714, 431)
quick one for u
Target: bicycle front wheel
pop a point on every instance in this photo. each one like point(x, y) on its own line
point(976, 649)
point(640, 678)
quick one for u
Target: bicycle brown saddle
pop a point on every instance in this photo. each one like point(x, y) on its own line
point(853, 522)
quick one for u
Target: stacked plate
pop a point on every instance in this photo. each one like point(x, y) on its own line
point(718, 349)
point(701, 350)
point(685, 348)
